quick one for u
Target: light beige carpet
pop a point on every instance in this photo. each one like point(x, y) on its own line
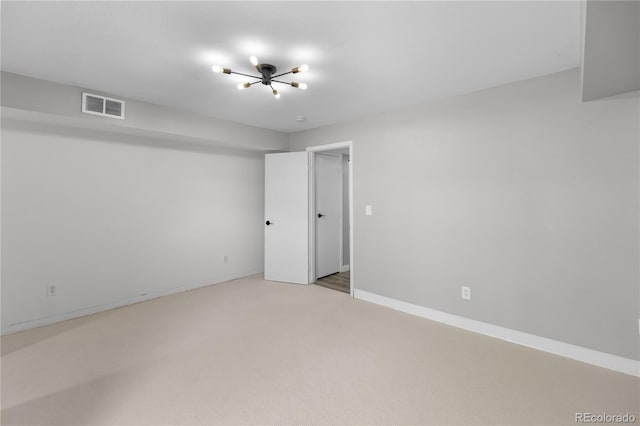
point(251, 351)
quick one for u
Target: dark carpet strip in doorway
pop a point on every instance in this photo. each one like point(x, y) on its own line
point(338, 282)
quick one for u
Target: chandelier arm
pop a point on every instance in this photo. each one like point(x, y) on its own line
point(281, 82)
point(256, 82)
point(246, 75)
point(280, 75)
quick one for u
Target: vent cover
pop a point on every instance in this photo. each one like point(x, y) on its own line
point(101, 105)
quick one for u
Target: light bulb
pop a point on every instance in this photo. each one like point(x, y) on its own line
point(254, 61)
point(243, 86)
point(221, 70)
point(301, 68)
point(276, 94)
point(301, 86)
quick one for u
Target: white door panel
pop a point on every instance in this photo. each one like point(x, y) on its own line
point(286, 254)
point(328, 217)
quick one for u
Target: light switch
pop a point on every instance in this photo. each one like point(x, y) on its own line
point(367, 210)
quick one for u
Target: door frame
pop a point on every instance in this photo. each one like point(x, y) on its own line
point(311, 151)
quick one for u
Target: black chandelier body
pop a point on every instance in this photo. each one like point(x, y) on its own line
point(267, 76)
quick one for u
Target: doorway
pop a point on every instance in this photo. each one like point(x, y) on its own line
point(330, 219)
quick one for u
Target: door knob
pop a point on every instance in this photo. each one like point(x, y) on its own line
point(268, 223)
point(320, 215)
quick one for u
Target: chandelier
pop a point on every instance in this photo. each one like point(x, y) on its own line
point(267, 76)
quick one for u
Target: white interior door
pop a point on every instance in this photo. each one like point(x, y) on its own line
point(286, 208)
point(328, 189)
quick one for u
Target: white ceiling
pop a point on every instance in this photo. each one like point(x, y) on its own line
point(365, 57)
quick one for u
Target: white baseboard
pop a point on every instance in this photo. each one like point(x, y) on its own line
point(344, 268)
point(567, 350)
point(25, 325)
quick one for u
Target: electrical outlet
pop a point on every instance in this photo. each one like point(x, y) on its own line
point(51, 290)
point(226, 258)
point(466, 293)
point(368, 210)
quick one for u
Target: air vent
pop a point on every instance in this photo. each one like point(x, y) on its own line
point(101, 105)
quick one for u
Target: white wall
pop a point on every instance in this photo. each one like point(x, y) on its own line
point(521, 192)
point(610, 48)
point(26, 98)
point(108, 218)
